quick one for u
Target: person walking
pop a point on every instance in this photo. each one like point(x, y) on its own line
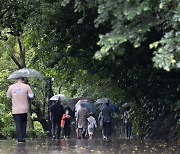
point(91, 125)
point(56, 113)
point(66, 124)
point(82, 115)
point(128, 125)
point(107, 118)
point(20, 92)
point(100, 120)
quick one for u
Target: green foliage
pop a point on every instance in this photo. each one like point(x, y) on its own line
point(37, 132)
point(9, 131)
point(98, 48)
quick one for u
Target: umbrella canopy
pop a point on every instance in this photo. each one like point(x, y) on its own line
point(102, 100)
point(128, 104)
point(113, 107)
point(62, 97)
point(26, 72)
point(72, 102)
point(89, 105)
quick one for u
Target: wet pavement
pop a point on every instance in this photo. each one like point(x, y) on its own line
point(98, 146)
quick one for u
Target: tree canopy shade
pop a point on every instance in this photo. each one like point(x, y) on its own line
point(135, 21)
point(100, 48)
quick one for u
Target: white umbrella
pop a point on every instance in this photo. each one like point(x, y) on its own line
point(62, 97)
point(26, 72)
point(128, 104)
point(102, 100)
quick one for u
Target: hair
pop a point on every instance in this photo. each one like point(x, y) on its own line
point(107, 104)
point(128, 108)
point(91, 114)
point(20, 78)
point(82, 105)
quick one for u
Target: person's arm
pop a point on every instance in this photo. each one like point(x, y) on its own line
point(77, 116)
point(64, 117)
point(8, 94)
point(50, 115)
point(95, 123)
point(30, 93)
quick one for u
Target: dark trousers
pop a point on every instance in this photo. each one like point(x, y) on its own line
point(21, 123)
point(107, 129)
point(128, 127)
point(67, 130)
point(56, 129)
point(82, 133)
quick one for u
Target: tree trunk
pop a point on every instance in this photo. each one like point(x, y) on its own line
point(49, 95)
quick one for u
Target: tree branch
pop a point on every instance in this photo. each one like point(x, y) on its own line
point(1, 16)
point(22, 52)
point(16, 61)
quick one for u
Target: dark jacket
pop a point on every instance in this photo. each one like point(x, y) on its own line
point(106, 114)
point(57, 111)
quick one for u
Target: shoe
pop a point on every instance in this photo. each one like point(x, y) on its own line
point(54, 137)
point(23, 140)
point(20, 141)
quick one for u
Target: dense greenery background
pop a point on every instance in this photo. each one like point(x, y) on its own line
point(124, 50)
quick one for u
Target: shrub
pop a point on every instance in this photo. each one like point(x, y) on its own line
point(9, 132)
point(31, 133)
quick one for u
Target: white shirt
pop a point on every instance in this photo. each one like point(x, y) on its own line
point(91, 122)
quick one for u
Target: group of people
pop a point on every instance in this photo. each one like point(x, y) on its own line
point(85, 121)
point(60, 117)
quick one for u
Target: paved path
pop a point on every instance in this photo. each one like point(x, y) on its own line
point(96, 146)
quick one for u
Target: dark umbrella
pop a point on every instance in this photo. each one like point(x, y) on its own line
point(113, 107)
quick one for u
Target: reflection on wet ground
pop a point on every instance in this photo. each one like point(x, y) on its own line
point(88, 146)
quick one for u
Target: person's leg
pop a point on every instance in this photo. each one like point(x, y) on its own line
point(83, 133)
point(69, 131)
point(17, 119)
point(104, 130)
point(58, 129)
point(80, 132)
point(108, 129)
point(130, 129)
point(53, 129)
point(126, 129)
point(63, 132)
point(24, 124)
point(77, 132)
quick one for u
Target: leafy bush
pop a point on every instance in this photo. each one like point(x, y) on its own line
point(31, 133)
point(9, 132)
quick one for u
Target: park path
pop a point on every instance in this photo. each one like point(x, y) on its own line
point(96, 146)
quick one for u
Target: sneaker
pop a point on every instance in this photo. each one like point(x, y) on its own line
point(54, 137)
point(20, 141)
point(23, 140)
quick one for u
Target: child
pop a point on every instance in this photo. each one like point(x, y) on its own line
point(91, 125)
point(66, 124)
